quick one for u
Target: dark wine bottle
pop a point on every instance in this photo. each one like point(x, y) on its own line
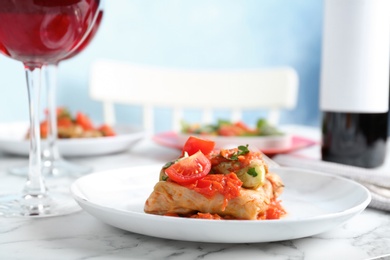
point(354, 89)
point(354, 138)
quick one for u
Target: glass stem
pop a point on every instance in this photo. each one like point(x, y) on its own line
point(35, 185)
point(51, 152)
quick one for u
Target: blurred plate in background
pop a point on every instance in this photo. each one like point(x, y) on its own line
point(13, 141)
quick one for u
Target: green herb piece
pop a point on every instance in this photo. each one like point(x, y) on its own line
point(185, 127)
point(168, 164)
point(64, 113)
point(252, 172)
point(242, 150)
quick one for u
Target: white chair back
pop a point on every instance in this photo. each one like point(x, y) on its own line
point(271, 89)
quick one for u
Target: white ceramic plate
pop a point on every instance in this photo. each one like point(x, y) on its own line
point(12, 140)
point(315, 202)
point(260, 142)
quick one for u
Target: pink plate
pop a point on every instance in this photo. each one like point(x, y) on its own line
point(172, 140)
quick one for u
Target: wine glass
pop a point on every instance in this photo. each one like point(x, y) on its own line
point(53, 164)
point(42, 32)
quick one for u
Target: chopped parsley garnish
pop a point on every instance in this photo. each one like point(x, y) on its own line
point(242, 150)
point(168, 164)
point(252, 172)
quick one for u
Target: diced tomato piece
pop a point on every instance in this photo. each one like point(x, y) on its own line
point(107, 130)
point(84, 121)
point(246, 128)
point(225, 184)
point(189, 169)
point(64, 122)
point(60, 110)
point(230, 130)
point(243, 126)
point(195, 144)
point(44, 129)
point(63, 112)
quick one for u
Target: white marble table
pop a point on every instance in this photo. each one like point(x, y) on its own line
point(81, 236)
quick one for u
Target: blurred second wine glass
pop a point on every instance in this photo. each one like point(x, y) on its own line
point(53, 163)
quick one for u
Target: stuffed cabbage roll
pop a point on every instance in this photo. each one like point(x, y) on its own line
point(229, 183)
point(170, 198)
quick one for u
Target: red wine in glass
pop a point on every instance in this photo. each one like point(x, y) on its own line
point(88, 39)
point(44, 31)
point(38, 32)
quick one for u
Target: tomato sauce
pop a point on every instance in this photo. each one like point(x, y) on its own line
point(206, 216)
point(226, 184)
point(274, 211)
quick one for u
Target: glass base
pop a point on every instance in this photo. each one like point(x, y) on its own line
point(48, 205)
point(57, 168)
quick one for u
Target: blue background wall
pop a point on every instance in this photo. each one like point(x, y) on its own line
point(190, 34)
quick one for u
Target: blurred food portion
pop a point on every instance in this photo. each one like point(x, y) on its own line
point(229, 128)
point(78, 126)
